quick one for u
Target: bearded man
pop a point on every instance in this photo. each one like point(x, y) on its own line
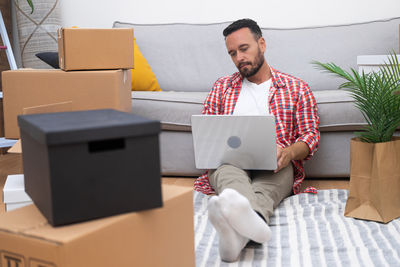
point(246, 198)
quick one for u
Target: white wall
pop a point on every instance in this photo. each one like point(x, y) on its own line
point(268, 13)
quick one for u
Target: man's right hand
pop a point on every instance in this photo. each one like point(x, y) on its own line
point(296, 151)
point(283, 157)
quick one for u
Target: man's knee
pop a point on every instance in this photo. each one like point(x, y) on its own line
point(227, 169)
point(225, 173)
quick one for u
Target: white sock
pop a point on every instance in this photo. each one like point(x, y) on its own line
point(230, 242)
point(240, 215)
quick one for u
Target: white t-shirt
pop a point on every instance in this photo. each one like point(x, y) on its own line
point(253, 98)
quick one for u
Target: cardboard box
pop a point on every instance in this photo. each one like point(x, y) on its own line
point(59, 107)
point(1, 117)
point(14, 195)
point(161, 237)
point(84, 165)
point(94, 49)
point(85, 90)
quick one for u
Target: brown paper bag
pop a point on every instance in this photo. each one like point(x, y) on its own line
point(374, 192)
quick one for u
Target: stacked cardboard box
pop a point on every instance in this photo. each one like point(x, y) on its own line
point(93, 76)
point(104, 54)
point(94, 49)
point(161, 237)
point(43, 91)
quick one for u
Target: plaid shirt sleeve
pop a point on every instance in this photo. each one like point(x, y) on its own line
point(212, 104)
point(307, 120)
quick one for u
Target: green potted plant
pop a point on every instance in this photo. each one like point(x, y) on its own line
point(374, 192)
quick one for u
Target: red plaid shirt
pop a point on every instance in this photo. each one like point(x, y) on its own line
point(290, 101)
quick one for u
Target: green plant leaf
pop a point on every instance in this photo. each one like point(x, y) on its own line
point(31, 5)
point(375, 95)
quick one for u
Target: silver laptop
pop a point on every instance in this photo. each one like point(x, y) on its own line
point(248, 142)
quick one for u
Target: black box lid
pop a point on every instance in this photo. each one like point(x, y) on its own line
point(82, 126)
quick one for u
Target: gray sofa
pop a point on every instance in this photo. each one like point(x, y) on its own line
point(187, 59)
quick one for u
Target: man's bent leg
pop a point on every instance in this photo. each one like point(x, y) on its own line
point(271, 188)
point(242, 217)
point(231, 242)
point(228, 176)
point(233, 185)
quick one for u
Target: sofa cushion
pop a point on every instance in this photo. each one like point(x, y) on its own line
point(331, 160)
point(337, 111)
point(143, 78)
point(174, 109)
point(190, 57)
point(50, 58)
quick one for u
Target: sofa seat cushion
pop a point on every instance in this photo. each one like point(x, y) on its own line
point(174, 109)
point(337, 111)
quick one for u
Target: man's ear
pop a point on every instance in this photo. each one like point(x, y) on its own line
point(262, 44)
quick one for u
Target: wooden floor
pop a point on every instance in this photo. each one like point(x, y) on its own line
point(331, 183)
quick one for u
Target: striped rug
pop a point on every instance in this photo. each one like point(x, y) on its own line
point(307, 230)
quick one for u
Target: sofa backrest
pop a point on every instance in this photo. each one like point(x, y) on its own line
point(191, 57)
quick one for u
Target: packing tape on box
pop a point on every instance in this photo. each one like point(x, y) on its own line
point(125, 71)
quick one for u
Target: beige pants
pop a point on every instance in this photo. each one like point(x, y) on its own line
point(264, 189)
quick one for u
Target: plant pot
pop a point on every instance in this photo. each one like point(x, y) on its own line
point(374, 192)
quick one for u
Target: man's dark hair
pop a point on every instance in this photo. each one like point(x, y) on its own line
point(244, 23)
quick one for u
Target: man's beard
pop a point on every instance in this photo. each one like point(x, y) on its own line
point(258, 62)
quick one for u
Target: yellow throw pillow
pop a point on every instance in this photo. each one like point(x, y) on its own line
point(143, 78)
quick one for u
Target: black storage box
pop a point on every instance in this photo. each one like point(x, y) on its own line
point(90, 164)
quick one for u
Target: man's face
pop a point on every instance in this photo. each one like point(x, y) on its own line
point(246, 52)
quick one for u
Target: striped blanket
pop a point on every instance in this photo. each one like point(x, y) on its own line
point(307, 230)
